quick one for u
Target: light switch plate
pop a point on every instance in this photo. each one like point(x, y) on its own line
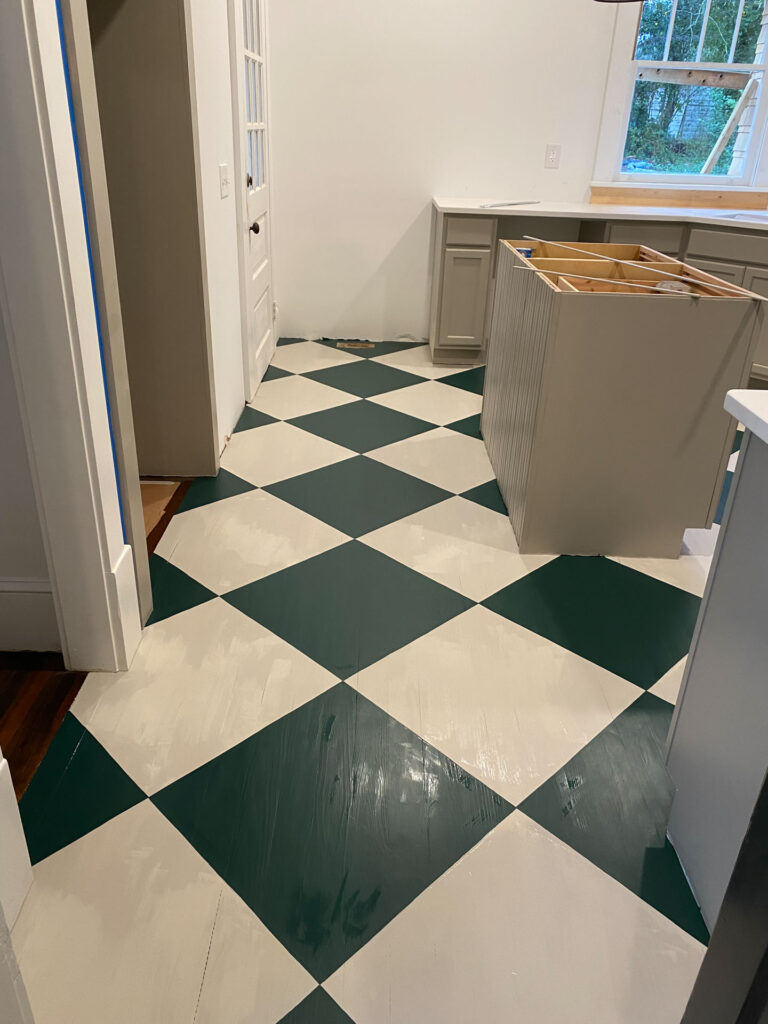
point(224, 182)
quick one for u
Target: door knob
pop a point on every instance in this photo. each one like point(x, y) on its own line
point(255, 227)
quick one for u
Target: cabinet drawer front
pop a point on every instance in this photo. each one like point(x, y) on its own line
point(666, 238)
point(470, 230)
point(729, 245)
point(466, 276)
point(731, 272)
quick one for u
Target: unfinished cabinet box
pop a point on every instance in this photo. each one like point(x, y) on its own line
point(603, 408)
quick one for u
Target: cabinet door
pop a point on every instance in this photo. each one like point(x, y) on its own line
point(466, 274)
point(756, 280)
point(730, 272)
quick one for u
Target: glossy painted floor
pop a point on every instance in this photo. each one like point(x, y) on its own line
point(370, 764)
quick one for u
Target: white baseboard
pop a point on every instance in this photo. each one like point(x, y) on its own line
point(27, 616)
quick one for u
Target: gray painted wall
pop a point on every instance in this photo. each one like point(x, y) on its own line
point(27, 616)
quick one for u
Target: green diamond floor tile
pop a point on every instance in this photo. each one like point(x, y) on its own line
point(348, 607)
point(364, 378)
point(250, 418)
point(358, 495)
point(362, 426)
point(720, 512)
point(611, 803)
point(378, 348)
point(468, 380)
point(275, 373)
point(470, 426)
point(737, 441)
point(77, 787)
point(317, 1008)
point(172, 590)
point(627, 622)
point(328, 822)
point(489, 495)
point(289, 341)
point(213, 488)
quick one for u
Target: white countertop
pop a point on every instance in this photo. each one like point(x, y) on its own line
point(754, 219)
point(750, 408)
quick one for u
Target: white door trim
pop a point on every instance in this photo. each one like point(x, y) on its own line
point(47, 304)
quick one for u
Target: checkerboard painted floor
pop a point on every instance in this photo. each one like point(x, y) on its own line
point(370, 764)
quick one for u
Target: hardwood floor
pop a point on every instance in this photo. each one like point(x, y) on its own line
point(35, 694)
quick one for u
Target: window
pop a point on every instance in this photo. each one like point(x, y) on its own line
point(698, 72)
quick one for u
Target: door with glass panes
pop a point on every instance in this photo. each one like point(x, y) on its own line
point(252, 183)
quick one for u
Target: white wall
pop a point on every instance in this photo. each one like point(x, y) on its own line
point(27, 612)
point(213, 100)
point(376, 107)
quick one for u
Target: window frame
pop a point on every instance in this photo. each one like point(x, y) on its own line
point(755, 156)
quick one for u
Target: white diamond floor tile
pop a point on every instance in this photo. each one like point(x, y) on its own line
point(201, 681)
point(460, 544)
point(226, 544)
point(307, 356)
point(441, 457)
point(250, 978)
point(287, 397)
point(668, 687)
point(432, 401)
point(279, 451)
point(522, 929)
point(117, 928)
point(688, 572)
point(419, 361)
point(508, 705)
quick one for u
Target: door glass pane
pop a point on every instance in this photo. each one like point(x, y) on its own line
point(246, 26)
point(256, 166)
point(749, 32)
point(687, 29)
point(259, 102)
point(256, 26)
point(652, 35)
point(673, 128)
point(249, 158)
point(248, 106)
point(262, 161)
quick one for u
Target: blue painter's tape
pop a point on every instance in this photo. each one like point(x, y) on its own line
point(89, 246)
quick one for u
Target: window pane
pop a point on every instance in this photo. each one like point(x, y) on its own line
point(673, 128)
point(652, 35)
point(749, 32)
point(720, 26)
point(687, 29)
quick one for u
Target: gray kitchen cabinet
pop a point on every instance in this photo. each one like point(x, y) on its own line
point(466, 276)
point(756, 280)
point(730, 272)
point(666, 238)
point(462, 273)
